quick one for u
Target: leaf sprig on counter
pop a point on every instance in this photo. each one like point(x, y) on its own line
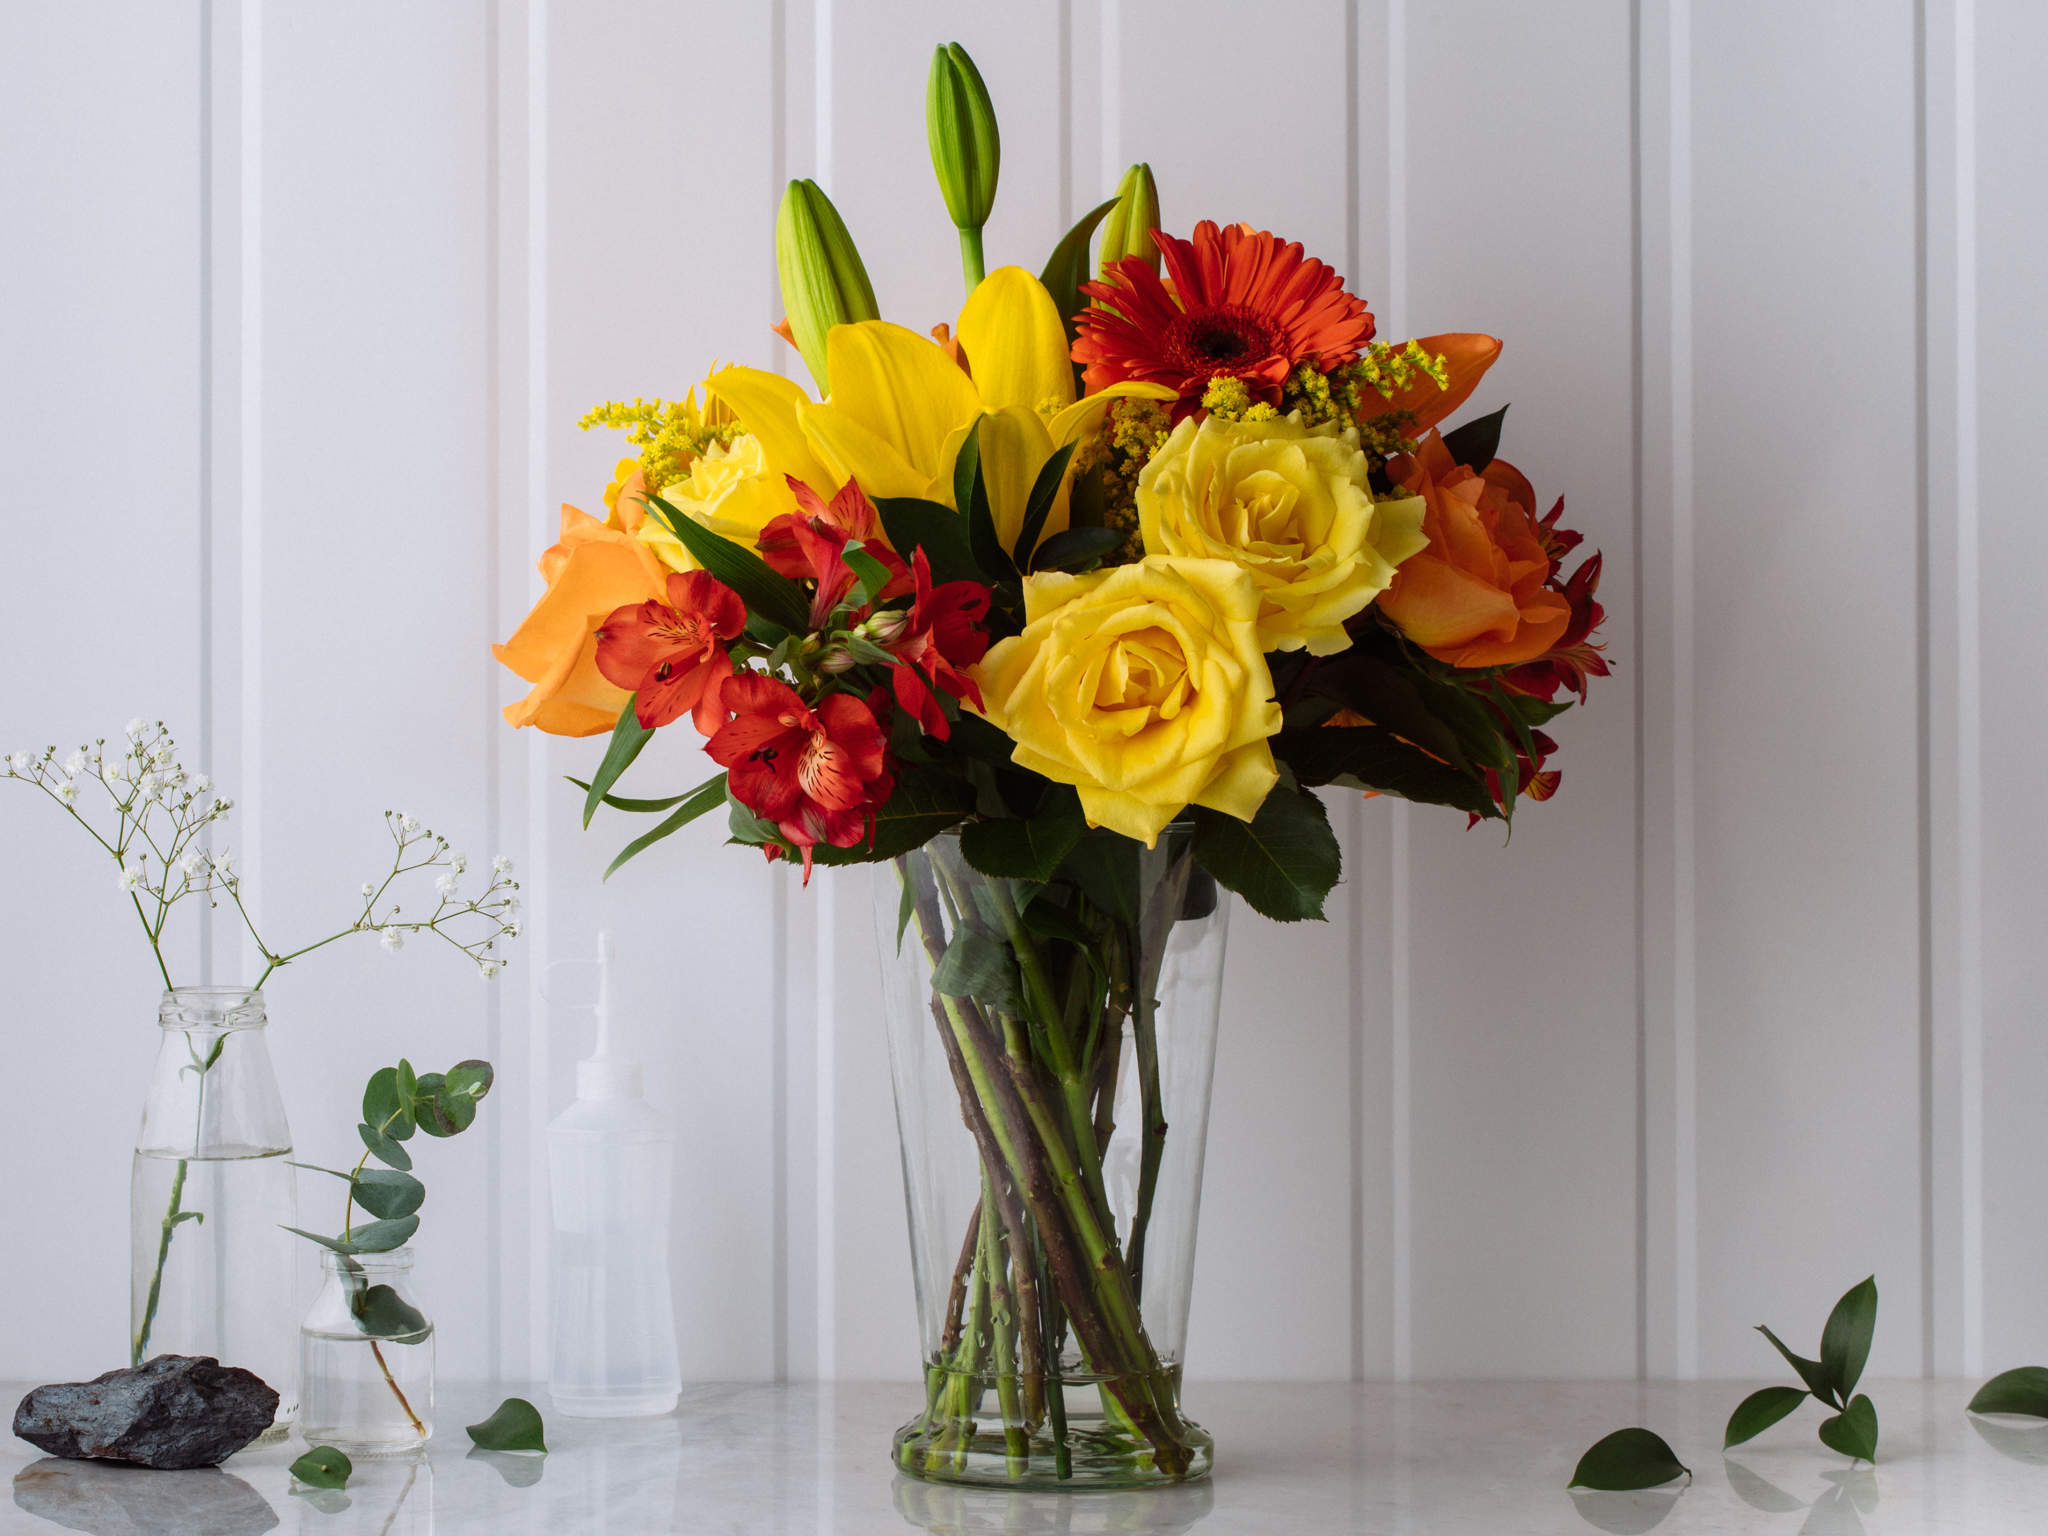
point(2022, 1391)
point(1830, 1381)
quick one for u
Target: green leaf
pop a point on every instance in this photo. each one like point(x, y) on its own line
point(924, 804)
point(1853, 1432)
point(384, 1314)
point(2024, 1390)
point(906, 906)
point(370, 1237)
point(1076, 549)
point(1628, 1458)
point(935, 528)
point(408, 1081)
point(1845, 1342)
point(861, 648)
point(1045, 490)
point(970, 495)
point(628, 737)
point(870, 575)
point(1812, 1372)
point(387, 1193)
point(1105, 866)
point(448, 1105)
point(323, 1467)
point(706, 797)
point(471, 1078)
point(1030, 848)
point(384, 1108)
point(1759, 1411)
point(1283, 861)
point(627, 803)
point(515, 1426)
point(1368, 757)
point(384, 1149)
point(775, 597)
point(975, 965)
point(1475, 443)
point(1068, 267)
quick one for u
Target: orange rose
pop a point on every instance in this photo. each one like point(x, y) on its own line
point(1476, 596)
point(594, 570)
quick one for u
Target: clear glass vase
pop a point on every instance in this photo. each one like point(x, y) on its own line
point(366, 1358)
point(1052, 1046)
point(211, 1193)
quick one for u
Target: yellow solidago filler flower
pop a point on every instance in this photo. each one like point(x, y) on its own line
point(1144, 686)
point(729, 490)
point(1291, 506)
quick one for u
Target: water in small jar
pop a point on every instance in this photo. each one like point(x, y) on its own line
point(366, 1396)
point(227, 1283)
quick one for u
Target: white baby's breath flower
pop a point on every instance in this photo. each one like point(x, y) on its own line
point(17, 763)
point(193, 861)
point(487, 970)
point(67, 792)
point(201, 784)
point(134, 728)
point(74, 765)
point(408, 824)
point(148, 787)
point(224, 864)
point(501, 866)
point(369, 889)
point(129, 879)
point(511, 906)
point(458, 863)
point(392, 939)
point(446, 885)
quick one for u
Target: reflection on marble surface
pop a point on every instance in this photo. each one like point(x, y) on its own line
point(1303, 1459)
point(111, 1498)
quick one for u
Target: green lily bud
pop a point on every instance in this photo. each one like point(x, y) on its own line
point(1128, 229)
point(967, 152)
point(823, 281)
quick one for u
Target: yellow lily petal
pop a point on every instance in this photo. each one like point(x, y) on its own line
point(1015, 344)
point(1082, 417)
point(900, 389)
point(766, 405)
point(1014, 447)
point(850, 451)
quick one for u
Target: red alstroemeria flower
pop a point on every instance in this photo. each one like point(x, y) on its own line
point(1243, 303)
point(941, 634)
point(818, 774)
point(809, 544)
point(672, 654)
point(1575, 656)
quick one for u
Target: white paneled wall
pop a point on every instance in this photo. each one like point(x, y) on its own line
point(297, 321)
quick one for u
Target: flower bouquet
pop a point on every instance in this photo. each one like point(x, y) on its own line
point(1059, 615)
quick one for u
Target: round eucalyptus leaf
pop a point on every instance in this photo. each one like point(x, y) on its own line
point(386, 1192)
point(471, 1078)
point(381, 1236)
point(408, 1081)
point(515, 1426)
point(323, 1467)
point(384, 1314)
point(383, 1107)
point(384, 1149)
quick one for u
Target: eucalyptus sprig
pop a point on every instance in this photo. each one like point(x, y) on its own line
point(396, 1102)
point(1830, 1381)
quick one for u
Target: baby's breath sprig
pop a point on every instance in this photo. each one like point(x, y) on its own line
point(151, 818)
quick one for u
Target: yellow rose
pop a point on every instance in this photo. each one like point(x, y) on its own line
point(730, 491)
point(1289, 504)
point(1144, 686)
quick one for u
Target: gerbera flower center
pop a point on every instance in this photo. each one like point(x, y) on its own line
point(1220, 339)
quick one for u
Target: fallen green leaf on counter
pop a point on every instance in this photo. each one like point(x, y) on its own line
point(515, 1426)
point(323, 1467)
point(1628, 1458)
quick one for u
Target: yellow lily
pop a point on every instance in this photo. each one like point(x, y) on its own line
point(898, 407)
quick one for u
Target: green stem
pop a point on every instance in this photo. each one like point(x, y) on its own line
point(1002, 1335)
point(172, 1217)
point(970, 257)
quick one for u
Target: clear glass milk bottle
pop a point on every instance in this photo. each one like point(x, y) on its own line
point(212, 1191)
point(366, 1357)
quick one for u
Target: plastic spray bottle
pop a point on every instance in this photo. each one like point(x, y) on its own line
point(612, 1351)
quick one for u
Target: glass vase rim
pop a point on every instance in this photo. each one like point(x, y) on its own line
point(390, 1261)
point(1180, 826)
point(211, 1006)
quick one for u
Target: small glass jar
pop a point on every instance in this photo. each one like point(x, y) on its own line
point(366, 1358)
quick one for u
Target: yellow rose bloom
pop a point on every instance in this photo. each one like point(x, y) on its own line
point(1144, 686)
point(729, 490)
point(1289, 504)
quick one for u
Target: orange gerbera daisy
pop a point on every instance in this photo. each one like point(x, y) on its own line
point(1242, 303)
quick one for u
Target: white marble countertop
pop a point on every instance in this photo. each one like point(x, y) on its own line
point(1437, 1459)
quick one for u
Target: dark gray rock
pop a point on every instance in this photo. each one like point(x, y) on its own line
point(173, 1412)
